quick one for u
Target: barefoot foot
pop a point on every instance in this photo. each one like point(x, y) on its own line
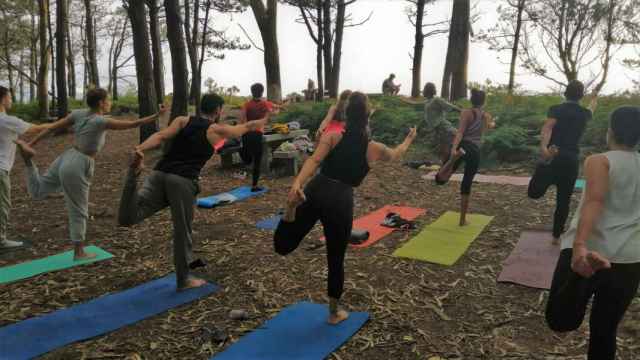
point(464, 223)
point(597, 261)
point(555, 241)
point(338, 317)
point(192, 283)
point(83, 256)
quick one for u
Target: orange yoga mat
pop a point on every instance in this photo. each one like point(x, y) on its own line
point(371, 222)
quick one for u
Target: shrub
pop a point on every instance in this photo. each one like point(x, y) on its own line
point(507, 143)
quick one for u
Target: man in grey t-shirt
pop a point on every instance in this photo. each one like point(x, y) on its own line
point(11, 128)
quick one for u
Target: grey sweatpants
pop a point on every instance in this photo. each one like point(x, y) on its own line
point(158, 191)
point(70, 173)
point(5, 203)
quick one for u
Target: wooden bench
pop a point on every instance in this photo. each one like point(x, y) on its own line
point(290, 162)
point(270, 143)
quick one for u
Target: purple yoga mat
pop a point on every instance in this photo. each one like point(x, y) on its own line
point(532, 262)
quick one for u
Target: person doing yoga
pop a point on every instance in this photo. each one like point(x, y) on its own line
point(600, 256)
point(174, 181)
point(72, 171)
point(344, 160)
point(252, 142)
point(560, 164)
point(466, 148)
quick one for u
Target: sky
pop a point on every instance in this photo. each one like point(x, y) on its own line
point(372, 51)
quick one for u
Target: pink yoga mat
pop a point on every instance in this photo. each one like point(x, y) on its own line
point(532, 262)
point(489, 179)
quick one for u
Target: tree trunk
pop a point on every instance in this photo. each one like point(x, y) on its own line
point(328, 40)
point(320, 94)
point(45, 54)
point(71, 64)
point(516, 47)
point(180, 73)
point(454, 83)
point(337, 50)
point(147, 99)
point(267, 22)
point(94, 76)
point(191, 35)
point(416, 79)
point(7, 55)
point(156, 46)
point(33, 54)
point(53, 59)
point(61, 57)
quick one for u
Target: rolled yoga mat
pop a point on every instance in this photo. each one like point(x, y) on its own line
point(39, 335)
point(532, 261)
point(298, 332)
point(444, 241)
point(371, 222)
point(235, 195)
point(49, 264)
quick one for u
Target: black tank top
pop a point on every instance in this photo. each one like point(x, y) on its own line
point(347, 162)
point(189, 151)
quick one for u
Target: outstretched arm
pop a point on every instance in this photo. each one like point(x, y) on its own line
point(596, 169)
point(218, 132)
point(157, 139)
point(126, 125)
point(331, 114)
point(58, 125)
point(411, 102)
point(380, 152)
point(449, 106)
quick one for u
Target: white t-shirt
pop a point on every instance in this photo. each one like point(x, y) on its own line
point(10, 128)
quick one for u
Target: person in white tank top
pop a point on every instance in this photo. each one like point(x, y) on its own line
point(600, 256)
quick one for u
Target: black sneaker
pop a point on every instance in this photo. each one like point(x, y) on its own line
point(393, 220)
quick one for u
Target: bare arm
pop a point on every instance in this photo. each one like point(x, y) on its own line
point(58, 125)
point(217, 132)
point(464, 122)
point(243, 115)
point(410, 101)
point(380, 152)
point(326, 144)
point(597, 173)
point(449, 106)
point(327, 119)
point(36, 129)
point(126, 125)
point(490, 122)
point(547, 131)
point(157, 139)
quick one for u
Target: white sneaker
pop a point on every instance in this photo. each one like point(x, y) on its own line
point(10, 244)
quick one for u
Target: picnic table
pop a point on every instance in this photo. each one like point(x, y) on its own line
point(270, 143)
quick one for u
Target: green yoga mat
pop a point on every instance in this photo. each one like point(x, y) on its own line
point(444, 241)
point(52, 263)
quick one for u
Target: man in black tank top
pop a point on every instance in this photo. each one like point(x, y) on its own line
point(174, 180)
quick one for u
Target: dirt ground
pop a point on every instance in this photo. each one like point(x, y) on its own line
point(418, 310)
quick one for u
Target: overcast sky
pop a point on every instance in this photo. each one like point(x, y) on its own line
point(372, 51)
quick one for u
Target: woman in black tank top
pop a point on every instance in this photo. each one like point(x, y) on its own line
point(328, 197)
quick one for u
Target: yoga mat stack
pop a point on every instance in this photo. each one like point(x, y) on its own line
point(444, 241)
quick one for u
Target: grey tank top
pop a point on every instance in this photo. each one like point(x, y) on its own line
point(473, 132)
point(89, 131)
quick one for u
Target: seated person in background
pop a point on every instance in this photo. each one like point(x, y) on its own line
point(310, 93)
point(389, 88)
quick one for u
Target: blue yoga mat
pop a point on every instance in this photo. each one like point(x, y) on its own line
point(230, 197)
point(269, 223)
point(39, 335)
point(299, 332)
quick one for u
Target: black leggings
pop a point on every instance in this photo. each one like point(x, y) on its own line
point(471, 161)
point(251, 152)
point(612, 291)
point(331, 202)
point(563, 173)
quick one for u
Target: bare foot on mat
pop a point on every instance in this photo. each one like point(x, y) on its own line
point(340, 316)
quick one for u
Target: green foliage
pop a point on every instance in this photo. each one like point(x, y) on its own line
point(507, 143)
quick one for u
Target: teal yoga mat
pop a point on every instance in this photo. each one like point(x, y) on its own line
point(62, 261)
